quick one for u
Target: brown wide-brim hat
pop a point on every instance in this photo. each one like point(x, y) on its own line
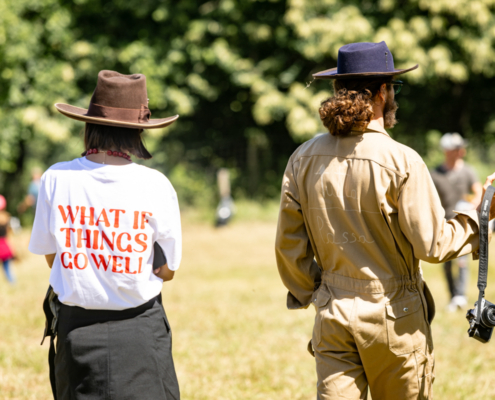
point(118, 100)
point(363, 60)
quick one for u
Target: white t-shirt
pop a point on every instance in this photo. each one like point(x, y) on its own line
point(102, 221)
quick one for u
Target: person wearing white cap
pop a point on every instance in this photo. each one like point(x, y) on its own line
point(455, 180)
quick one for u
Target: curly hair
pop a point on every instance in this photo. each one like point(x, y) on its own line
point(352, 104)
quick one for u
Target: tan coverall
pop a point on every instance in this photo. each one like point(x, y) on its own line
point(363, 211)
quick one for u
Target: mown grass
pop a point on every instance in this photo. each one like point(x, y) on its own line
point(233, 337)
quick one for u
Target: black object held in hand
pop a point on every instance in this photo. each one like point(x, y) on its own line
point(482, 317)
point(159, 259)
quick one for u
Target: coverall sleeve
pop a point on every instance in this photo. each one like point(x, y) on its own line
point(295, 257)
point(422, 220)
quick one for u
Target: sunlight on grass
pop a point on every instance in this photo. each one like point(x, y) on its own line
point(233, 337)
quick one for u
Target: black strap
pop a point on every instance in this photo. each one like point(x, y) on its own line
point(483, 264)
point(48, 315)
point(49, 332)
point(51, 363)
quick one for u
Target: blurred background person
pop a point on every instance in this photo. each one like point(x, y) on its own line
point(459, 189)
point(225, 208)
point(6, 253)
point(29, 201)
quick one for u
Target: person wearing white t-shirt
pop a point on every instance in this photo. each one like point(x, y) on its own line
point(100, 221)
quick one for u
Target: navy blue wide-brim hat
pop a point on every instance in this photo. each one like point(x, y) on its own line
point(363, 60)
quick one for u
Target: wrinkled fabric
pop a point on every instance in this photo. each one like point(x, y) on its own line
point(115, 355)
point(357, 214)
point(362, 206)
point(373, 334)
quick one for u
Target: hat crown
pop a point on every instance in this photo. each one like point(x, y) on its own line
point(118, 100)
point(357, 58)
point(452, 141)
point(120, 91)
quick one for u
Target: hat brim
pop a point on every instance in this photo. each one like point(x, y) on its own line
point(80, 114)
point(332, 74)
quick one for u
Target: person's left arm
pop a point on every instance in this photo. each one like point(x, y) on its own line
point(170, 236)
point(160, 265)
point(422, 220)
point(164, 272)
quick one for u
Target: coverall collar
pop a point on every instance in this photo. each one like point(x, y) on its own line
point(374, 125)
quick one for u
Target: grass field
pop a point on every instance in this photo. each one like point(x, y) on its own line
point(233, 337)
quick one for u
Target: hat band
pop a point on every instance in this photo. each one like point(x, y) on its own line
point(134, 115)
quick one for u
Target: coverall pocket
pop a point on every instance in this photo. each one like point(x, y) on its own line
point(321, 306)
point(404, 325)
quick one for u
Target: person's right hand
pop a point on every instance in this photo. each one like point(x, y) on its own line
point(488, 182)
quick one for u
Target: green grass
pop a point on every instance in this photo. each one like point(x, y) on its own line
point(245, 210)
point(233, 337)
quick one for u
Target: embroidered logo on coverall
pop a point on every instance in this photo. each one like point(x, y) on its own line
point(332, 183)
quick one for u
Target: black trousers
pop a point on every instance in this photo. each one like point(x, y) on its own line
point(457, 285)
point(121, 355)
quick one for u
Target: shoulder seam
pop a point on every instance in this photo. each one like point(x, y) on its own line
point(391, 169)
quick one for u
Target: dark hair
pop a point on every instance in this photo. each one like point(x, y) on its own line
point(105, 137)
point(351, 104)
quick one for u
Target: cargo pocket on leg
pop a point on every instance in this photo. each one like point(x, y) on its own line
point(406, 326)
point(321, 306)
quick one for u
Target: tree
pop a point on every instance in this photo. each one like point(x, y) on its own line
point(237, 72)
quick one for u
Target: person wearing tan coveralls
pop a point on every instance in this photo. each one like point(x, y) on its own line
point(361, 211)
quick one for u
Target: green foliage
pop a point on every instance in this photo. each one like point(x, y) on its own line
point(236, 71)
point(434, 154)
point(193, 187)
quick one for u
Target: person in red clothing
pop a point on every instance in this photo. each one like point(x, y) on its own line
point(6, 252)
